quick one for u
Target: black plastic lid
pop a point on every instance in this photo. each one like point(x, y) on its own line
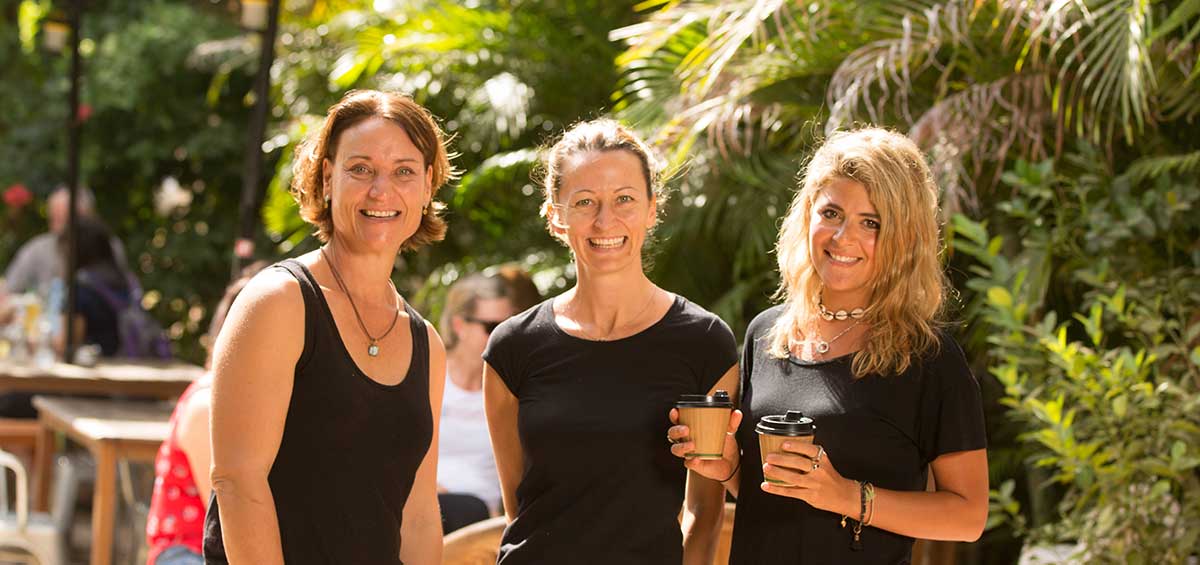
point(794, 423)
point(719, 399)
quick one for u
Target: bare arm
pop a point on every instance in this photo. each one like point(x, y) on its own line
point(253, 367)
point(956, 511)
point(192, 435)
point(501, 408)
point(704, 506)
point(421, 530)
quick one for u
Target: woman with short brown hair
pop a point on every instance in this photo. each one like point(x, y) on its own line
point(327, 383)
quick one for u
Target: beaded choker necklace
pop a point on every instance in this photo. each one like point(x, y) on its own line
point(856, 313)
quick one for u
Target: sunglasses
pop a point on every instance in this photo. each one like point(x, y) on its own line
point(489, 325)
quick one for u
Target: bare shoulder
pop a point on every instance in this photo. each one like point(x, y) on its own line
point(437, 364)
point(271, 289)
point(436, 347)
point(265, 324)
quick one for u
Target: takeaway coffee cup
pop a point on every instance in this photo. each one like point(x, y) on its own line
point(776, 429)
point(708, 419)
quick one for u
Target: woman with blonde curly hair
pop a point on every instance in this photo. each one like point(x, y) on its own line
point(856, 346)
point(327, 383)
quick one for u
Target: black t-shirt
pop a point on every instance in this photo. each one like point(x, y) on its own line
point(600, 484)
point(885, 430)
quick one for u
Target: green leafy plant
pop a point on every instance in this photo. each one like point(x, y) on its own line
point(1090, 316)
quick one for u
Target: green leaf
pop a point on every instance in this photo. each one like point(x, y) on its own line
point(1185, 11)
point(974, 231)
point(1119, 406)
point(1178, 450)
point(1000, 297)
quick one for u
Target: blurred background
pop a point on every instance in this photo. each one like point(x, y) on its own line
point(1063, 135)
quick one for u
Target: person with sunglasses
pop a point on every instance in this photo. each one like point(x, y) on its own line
point(468, 490)
point(578, 389)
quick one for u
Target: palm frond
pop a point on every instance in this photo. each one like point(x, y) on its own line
point(981, 124)
point(879, 75)
point(1106, 77)
point(1150, 167)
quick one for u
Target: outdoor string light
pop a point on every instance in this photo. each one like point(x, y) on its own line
point(254, 14)
point(54, 34)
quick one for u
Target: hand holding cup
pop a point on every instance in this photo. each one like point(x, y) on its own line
point(802, 470)
point(682, 446)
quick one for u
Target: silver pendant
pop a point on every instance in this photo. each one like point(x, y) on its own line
point(822, 347)
point(373, 350)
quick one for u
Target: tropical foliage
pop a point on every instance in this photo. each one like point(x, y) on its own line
point(162, 158)
point(1108, 390)
point(737, 93)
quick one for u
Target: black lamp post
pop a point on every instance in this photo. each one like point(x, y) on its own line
point(255, 15)
point(74, 126)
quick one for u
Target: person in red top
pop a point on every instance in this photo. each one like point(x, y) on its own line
point(175, 525)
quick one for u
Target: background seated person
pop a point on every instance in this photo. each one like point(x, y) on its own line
point(175, 525)
point(469, 490)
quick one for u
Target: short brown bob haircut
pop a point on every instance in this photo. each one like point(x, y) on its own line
point(308, 187)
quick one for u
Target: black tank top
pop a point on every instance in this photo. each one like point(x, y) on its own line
point(350, 448)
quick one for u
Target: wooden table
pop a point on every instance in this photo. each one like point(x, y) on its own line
point(132, 377)
point(111, 430)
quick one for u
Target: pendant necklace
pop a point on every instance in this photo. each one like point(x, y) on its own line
point(822, 347)
point(373, 347)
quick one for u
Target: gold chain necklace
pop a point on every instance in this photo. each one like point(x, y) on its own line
point(653, 293)
point(373, 347)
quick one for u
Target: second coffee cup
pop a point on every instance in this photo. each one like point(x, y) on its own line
point(776, 429)
point(708, 419)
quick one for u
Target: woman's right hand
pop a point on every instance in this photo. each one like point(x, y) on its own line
point(715, 469)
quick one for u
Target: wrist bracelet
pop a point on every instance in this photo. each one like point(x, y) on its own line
point(736, 466)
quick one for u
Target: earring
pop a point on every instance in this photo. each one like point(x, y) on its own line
point(425, 209)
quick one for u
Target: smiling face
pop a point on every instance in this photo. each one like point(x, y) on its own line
point(841, 235)
point(378, 183)
point(604, 209)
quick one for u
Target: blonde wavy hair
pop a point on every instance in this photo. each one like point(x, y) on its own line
point(907, 287)
point(308, 185)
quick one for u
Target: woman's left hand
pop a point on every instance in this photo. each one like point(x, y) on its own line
point(811, 477)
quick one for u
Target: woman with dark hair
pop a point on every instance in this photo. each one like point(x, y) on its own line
point(577, 388)
point(327, 383)
point(103, 289)
point(858, 348)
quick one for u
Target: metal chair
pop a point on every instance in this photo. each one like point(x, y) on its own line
point(34, 537)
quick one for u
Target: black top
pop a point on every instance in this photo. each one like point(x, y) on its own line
point(350, 448)
point(885, 430)
point(600, 484)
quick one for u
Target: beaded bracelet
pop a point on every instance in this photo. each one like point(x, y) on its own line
point(866, 494)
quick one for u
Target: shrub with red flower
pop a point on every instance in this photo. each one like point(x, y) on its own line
point(17, 196)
